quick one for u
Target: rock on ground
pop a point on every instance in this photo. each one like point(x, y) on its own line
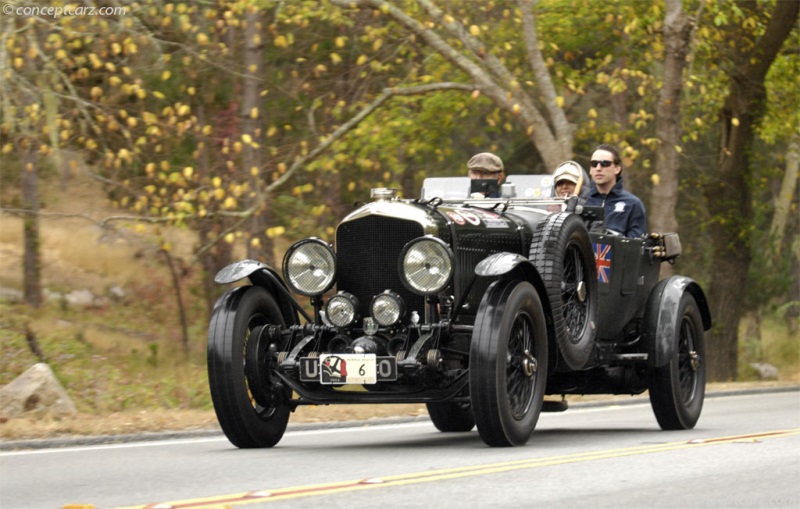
point(35, 392)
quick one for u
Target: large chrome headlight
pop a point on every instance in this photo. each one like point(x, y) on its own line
point(310, 267)
point(426, 265)
point(387, 308)
point(341, 309)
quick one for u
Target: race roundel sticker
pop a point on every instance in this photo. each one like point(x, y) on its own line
point(472, 218)
point(456, 217)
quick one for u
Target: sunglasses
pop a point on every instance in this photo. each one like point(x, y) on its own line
point(604, 164)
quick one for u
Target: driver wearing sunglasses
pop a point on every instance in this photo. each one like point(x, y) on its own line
point(624, 212)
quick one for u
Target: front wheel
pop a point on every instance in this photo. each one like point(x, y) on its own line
point(251, 403)
point(508, 363)
point(677, 390)
point(451, 417)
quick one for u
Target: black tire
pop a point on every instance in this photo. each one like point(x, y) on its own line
point(678, 389)
point(561, 251)
point(451, 417)
point(251, 403)
point(508, 363)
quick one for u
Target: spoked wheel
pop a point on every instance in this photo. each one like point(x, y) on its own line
point(677, 390)
point(251, 403)
point(451, 417)
point(562, 252)
point(508, 363)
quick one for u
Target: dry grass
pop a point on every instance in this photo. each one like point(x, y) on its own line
point(161, 420)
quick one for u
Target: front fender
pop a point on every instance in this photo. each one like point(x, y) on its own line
point(661, 316)
point(239, 270)
point(261, 274)
point(507, 265)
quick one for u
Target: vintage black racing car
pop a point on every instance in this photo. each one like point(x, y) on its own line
point(476, 307)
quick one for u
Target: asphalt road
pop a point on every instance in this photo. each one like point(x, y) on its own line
point(745, 452)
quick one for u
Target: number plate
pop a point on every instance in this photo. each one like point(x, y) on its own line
point(340, 369)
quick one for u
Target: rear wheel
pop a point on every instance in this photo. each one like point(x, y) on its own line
point(677, 390)
point(251, 403)
point(562, 253)
point(508, 363)
point(451, 417)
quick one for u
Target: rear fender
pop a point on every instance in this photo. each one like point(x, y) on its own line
point(514, 266)
point(661, 316)
point(263, 275)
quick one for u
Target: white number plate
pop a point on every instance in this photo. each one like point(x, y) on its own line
point(343, 368)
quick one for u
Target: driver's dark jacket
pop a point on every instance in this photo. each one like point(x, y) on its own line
point(624, 212)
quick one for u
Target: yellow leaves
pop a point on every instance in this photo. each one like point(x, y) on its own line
point(188, 172)
point(376, 45)
point(95, 60)
point(229, 203)
point(476, 93)
point(96, 93)
point(340, 41)
point(191, 90)
point(216, 182)
point(272, 131)
point(282, 168)
point(592, 113)
point(275, 231)
point(254, 112)
point(116, 48)
point(202, 39)
point(735, 122)
point(678, 149)
point(515, 109)
point(280, 42)
point(18, 63)
point(305, 188)
point(219, 193)
point(698, 121)
point(560, 101)
point(207, 130)
point(61, 54)
point(8, 148)
point(655, 179)
point(183, 110)
point(247, 138)
point(165, 75)
point(114, 81)
point(336, 59)
point(475, 30)
point(150, 169)
point(229, 238)
point(150, 189)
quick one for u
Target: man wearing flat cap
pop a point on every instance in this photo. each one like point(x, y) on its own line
point(486, 166)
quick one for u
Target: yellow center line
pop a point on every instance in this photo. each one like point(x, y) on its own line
point(263, 496)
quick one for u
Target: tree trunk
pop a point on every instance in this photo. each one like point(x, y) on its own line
point(729, 197)
point(664, 198)
point(32, 263)
point(783, 203)
point(260, 246)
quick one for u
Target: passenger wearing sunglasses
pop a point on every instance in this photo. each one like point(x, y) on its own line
point(624, 212)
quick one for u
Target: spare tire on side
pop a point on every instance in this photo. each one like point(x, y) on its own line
point(561, 251)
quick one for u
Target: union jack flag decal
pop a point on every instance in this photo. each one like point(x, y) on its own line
point(602, 256)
